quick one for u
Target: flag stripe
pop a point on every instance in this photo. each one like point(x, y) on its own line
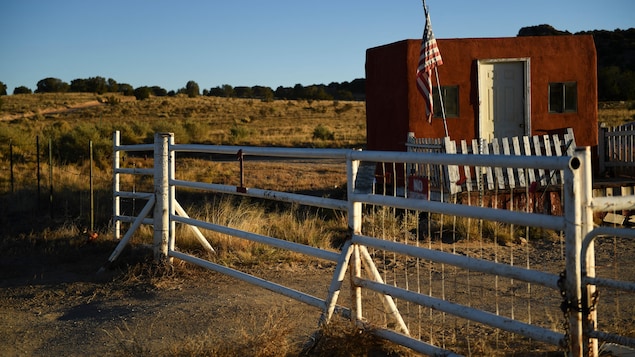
point(429, 58)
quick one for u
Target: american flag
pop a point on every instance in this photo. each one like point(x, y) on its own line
point(429, 58)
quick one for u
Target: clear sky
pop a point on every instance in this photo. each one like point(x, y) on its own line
point(249, 42)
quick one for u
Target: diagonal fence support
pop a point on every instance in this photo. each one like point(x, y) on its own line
point(197, 232)
point(124, 241)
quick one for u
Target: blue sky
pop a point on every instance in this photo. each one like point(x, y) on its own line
point(249, 42)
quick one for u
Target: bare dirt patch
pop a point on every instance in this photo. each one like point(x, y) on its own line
point(52, 307)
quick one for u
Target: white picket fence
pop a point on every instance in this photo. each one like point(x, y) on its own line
point(403, 271)
point(616, 150)
point(454, 179)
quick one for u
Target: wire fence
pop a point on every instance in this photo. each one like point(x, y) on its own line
point(35, 181)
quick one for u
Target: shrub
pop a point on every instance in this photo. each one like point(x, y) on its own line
point(142, 93)
point(239, 132)
point(323, 133)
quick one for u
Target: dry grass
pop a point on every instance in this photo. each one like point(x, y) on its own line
point(616, 113)
point(293, 223)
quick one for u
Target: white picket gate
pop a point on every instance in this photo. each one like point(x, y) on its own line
point(569, 284)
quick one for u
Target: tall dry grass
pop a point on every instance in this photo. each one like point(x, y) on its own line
point(616, 113)
point(64, 121)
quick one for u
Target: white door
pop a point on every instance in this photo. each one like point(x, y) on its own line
point(502, 95)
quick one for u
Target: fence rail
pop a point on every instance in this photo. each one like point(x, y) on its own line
point(407, 271)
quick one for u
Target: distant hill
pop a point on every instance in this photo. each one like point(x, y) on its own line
point(615, 54)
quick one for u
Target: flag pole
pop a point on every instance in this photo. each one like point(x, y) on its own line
point(430, 58)
point(445, 124)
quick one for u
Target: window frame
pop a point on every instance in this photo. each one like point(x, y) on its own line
point(438, 113)
point(567, 95)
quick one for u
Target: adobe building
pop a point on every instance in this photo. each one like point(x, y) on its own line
point(492, 87)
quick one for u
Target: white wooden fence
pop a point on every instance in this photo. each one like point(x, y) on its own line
point(570, 284)
point(454, 179)
point(616, 150)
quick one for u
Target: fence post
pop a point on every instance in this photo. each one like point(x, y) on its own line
point(11, 164)
point(573, 246)
point(354, 227)
point(51, 177)
point(92, 193)
point(37, 157)
point(602, 148)
point(589, 317)
point(172, 197)
point(161, 191)
point(116, 140)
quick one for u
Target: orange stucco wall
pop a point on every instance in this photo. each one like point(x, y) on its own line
point(394, 106)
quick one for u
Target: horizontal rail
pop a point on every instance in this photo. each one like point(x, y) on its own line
point(134, 171)
point(304, 153)
point(610, 283)
point(493, 214)
point(277, 288)
point(414, 344)
point(619, 133)
point(130, 219)
point(136, 195)
point(484, 317)
point(135, 148)
point(618, 163)
point(612, 203)
point(275, 242)
point(461, 261)
point(268, 194)
point(610, 337)
point(508, 161)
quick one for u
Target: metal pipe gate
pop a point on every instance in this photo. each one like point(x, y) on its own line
point(576, 284)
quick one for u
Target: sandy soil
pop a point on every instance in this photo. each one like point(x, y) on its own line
point(50, 307)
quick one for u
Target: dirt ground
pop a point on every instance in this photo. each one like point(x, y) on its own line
point(50, 307)
point(55, 304)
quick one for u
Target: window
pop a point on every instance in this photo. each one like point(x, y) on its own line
point(563, 97)
point(450, 96)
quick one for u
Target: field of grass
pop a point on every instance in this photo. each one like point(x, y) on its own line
point(53, 220)
point(68, 122)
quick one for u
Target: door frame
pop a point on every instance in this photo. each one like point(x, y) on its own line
point(526, 85)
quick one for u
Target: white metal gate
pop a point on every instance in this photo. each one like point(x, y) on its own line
point(366, 256)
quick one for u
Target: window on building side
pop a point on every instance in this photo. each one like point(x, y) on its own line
point(450, 96)
point(563, 97)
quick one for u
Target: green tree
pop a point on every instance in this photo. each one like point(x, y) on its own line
point(3, 89)
point(79, 85)
point(228, 90)
point(97, 85)
point(158, 91)
point(142, 93)
point(113, 86)
point(192, 90)
point(264, 93)
point(51, 85)
point(126, 89)
point(22, 90)
point(243, 92)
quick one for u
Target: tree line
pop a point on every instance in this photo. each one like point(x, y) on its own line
point(334, 91)
point(615, 58)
